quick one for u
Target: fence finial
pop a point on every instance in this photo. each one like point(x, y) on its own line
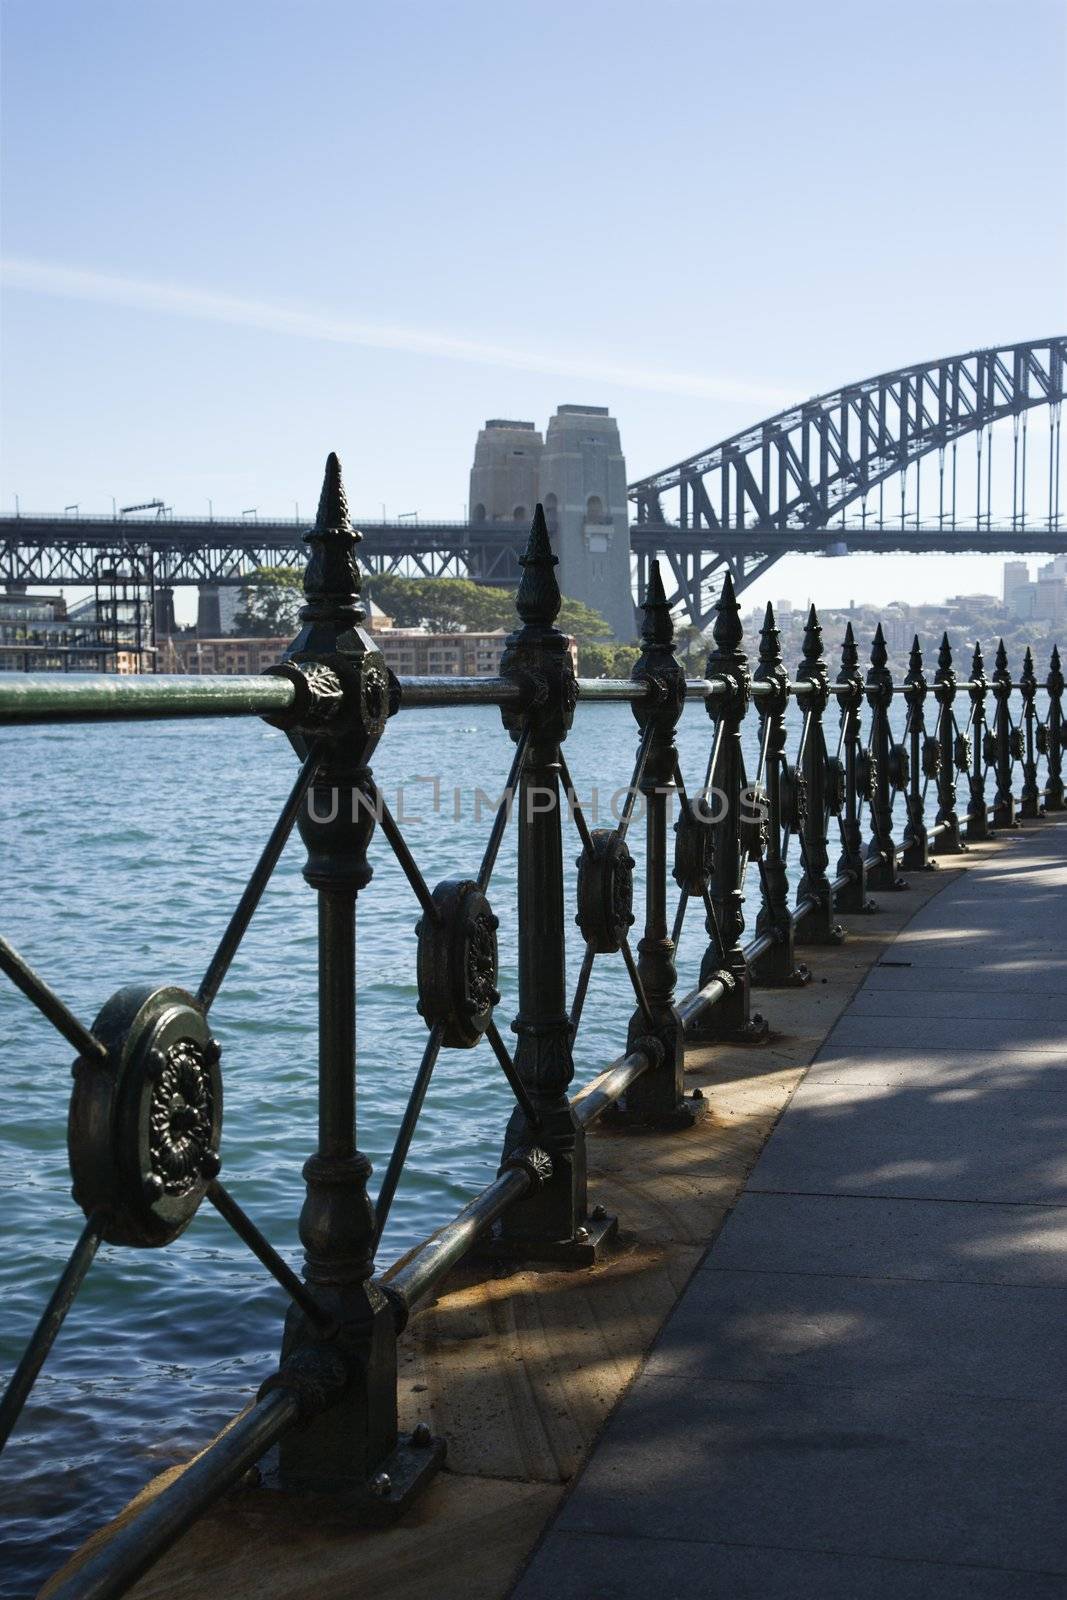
point(812, 650)
point(944, 656)
point(770, 640)
point(538, 599)
point(332, 515)
point(879, 653)
point(657, 628)
point(915, 660)
point(850, 655)
point(332, 579)
point(727, 632)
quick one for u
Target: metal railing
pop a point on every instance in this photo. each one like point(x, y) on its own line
point(145, 1121)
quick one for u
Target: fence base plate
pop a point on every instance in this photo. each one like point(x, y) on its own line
point(599, 1234)
point(381, 1499)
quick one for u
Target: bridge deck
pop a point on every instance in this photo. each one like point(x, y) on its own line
point(861, 1390)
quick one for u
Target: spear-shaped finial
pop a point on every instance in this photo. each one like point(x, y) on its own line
point(879, 653)
point(657, 630)
point(944, 655)
point(332, 579)
point(915, 659)
point(538, 599)
point(332, 515)
point(727, 632)
point(850, 656)
point(812, 647)
point(770, 642)
point(977, 663)
point(1028, 674)
point(1001, 666)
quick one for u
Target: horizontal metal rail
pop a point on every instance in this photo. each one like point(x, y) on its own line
point(599, 1096)
point(415, 1276)
point(111, 1570)
point(57, 697)
point(48, 697)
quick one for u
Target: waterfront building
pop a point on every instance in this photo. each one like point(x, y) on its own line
point(39, 634)
point(409, 652)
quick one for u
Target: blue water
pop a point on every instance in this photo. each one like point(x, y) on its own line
point(125, 849)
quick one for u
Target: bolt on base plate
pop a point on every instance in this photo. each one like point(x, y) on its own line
point(589, 1245)
point(686, 1114)
point(399, 1479)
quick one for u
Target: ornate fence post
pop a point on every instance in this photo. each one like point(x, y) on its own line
point(1004, 799)
point(981, 751)
point(725, 956)
point(342, 1448)
point(551, 1222)
point(1054, 734)
point(777, 966)
point(658, 1095)
point(1030, 799)
point(886, 757)
point(924, 760)
point(818, 927)
point(949, 838)
point(853, 896)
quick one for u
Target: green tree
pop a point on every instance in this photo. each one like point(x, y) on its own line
point(596, 660)
point(270, 602)
point(449, 605)
point(623, 660)
point(272, 598)
point(582, 621)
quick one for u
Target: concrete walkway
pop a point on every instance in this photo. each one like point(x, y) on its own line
point(861, 1392)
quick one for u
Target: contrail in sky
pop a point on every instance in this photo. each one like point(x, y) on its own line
point(204, 305)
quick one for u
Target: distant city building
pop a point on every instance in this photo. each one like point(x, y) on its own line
point(1044, 600)
point(1017, 583)
point(578, 472)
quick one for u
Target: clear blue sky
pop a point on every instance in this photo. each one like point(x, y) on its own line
point(246, 232)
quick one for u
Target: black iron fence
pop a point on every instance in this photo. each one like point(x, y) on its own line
point(145, 1122)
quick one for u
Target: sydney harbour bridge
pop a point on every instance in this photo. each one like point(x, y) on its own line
point(959, 454)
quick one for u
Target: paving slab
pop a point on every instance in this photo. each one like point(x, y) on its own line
point(861, 1392)
point(868, 1333)
point(962, 1035)
point(878, 1473)
point(602, 1567)
point(1013, 1071)
point(971, 1142)
point(1012, 975)
point(1002, 1003)
point(951, 1241)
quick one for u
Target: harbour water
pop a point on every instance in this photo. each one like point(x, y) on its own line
point(125, 849)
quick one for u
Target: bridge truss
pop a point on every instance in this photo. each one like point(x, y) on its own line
point(812, 479)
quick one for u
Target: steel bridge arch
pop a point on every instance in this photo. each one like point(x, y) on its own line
point(777, 486)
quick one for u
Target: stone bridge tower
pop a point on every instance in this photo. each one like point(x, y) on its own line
point(583, 488)
point(504, 478)
point(579, 474)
